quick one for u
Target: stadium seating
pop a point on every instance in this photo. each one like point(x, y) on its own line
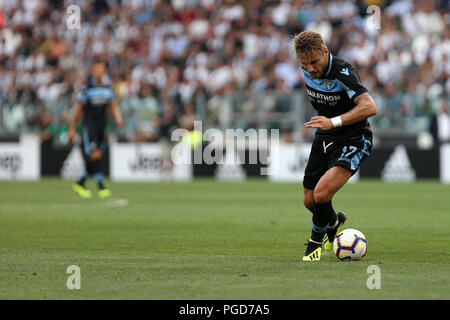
point(215, 56)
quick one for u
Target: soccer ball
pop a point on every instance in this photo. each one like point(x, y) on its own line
point(350, 245)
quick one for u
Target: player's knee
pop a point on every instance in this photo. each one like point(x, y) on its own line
point(96, 154)
point(322, 194)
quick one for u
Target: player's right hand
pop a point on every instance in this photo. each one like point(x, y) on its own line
point(320, 122)
point(72, 133)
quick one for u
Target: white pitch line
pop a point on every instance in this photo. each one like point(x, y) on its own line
point(85, 204)
point(118, 203)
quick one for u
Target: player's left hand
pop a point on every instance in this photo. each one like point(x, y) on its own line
point(320, 122)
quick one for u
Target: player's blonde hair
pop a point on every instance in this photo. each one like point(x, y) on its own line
point(307, 42)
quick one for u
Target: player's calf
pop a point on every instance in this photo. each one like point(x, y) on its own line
point(308, 200)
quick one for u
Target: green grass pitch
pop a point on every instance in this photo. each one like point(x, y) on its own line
point(211, 240)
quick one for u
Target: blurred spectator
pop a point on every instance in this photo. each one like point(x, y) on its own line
point(43, 124)
point(197, 53)
point(186, 120)
point(440, 124)
point(167, 122)
point(58, 134)
point(147, 113)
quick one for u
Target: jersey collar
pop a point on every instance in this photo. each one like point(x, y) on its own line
point(92, 81)
point(329, 65)
point(330, 62)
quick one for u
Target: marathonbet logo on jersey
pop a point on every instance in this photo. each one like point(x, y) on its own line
point(324, 98)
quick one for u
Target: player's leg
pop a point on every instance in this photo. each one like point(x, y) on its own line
point(97, 161)
point(324, 191)
point(335, 178)
point(85, 146)
point(83, 178)
point(327, 186)
point(79, 186)
point(330, 183)
point(347, 158)
point(308, 199)
point(315, 169)
point(81, 190)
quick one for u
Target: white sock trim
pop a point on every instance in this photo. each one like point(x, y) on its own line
point(316, 242)
point(335, 224)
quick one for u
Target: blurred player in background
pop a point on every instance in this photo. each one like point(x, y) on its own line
point(167, 122)
point(94, 100)
point(343, 137)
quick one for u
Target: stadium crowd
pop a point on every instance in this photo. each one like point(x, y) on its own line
point(168, 55)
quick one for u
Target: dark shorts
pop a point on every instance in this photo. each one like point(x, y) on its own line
point(327, 154)
point(93, 138)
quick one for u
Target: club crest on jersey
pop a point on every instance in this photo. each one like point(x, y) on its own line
point(328, 83)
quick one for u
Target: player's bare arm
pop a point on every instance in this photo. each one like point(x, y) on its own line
point(76, 117)
point(115, 110)
point(364, 109)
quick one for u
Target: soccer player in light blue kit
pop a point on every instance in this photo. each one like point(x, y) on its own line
point(95, 98)
point(343, 137)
